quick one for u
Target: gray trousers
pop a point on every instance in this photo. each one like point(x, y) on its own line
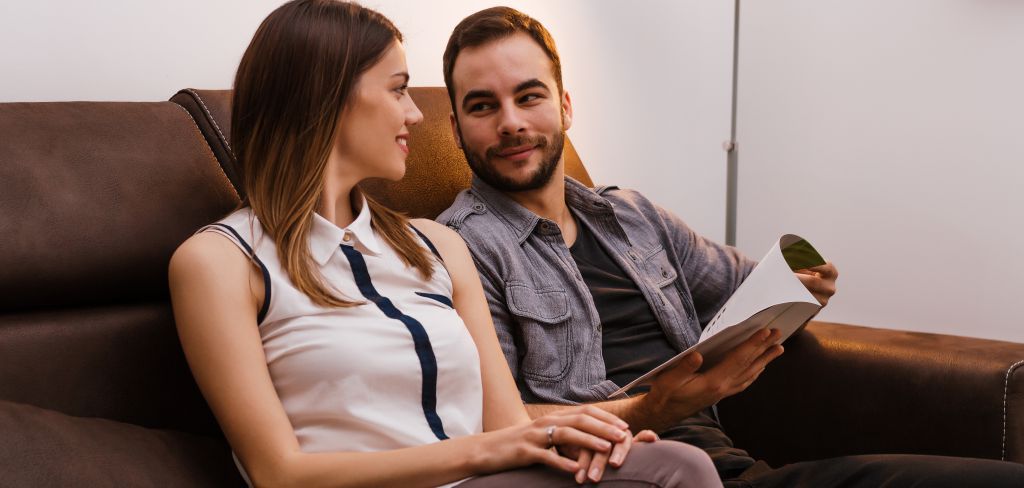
point(663, 464)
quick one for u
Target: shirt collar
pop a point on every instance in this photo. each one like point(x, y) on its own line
point(577, 196)
point(325, 237)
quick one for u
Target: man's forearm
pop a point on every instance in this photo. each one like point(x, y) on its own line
point(635, 411)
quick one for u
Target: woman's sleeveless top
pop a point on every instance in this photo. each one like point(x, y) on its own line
point(398, 370)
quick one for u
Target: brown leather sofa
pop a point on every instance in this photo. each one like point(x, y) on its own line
point(94, 390)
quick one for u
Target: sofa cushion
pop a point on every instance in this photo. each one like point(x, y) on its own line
point(47, 448)
point(120, 362)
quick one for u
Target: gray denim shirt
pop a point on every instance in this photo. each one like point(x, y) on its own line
point(543, 312)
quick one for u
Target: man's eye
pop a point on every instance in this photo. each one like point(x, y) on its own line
point(477, 107)
point(529, 98)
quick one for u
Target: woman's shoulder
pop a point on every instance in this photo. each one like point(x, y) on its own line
point(444, 239)
point(217, 247)
point(206, 251)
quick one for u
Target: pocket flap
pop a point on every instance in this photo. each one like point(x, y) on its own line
point(548, 305)
point(659, 268)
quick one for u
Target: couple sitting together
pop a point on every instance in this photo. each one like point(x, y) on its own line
point(340, 344)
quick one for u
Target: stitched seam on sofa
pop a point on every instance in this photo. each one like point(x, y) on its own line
point(210, 152)
point(1006, 391)
point(213, 121)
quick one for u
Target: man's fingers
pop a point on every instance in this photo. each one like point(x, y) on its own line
point(827, 271)
point(758, 366)
point(646, 435)
point(818, 284)
point(681, 372)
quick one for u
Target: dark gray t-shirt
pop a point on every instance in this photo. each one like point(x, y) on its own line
point(631, 337)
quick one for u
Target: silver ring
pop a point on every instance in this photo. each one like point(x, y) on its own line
point(551, 436)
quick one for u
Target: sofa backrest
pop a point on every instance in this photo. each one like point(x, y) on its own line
point(436, 169)
point(94, 198)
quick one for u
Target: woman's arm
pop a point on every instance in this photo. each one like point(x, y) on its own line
point(216, 293)
point(503, 406)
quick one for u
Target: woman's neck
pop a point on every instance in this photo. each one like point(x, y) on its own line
point(340, 206)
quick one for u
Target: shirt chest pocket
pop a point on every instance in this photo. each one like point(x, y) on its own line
point(659, 269)
point(543, 317)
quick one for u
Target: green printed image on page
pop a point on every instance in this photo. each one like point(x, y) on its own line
point(801, 255)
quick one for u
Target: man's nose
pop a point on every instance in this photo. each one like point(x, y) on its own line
point(511, 122)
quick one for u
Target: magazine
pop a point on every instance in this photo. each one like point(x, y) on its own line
point(771, 296)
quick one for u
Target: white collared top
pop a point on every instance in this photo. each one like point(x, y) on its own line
point(398, 370)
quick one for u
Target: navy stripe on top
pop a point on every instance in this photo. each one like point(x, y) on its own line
point(439, 298)
point(428, 362)
point(430, 245)
point(266, 274)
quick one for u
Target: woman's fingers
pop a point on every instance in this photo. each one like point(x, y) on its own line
point(554, 460)
point(597, 413)
point(620, 451)
point(584, 463)
point(597, 465)
point(568, 435)
point(587, 423)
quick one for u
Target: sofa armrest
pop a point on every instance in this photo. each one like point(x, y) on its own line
point(843, 390)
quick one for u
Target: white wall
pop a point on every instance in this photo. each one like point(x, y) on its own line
point(650, 85)
point(890, 135)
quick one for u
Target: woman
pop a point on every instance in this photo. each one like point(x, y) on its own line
point(338, 343)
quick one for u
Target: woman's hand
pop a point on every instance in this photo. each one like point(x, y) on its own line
point(592, 464)
point(572, 431)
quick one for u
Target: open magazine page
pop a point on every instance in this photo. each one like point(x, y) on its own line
point(771, 296)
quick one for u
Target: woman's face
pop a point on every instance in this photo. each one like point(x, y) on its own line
point(373, 132)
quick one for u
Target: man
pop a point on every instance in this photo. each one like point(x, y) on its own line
point(589, 288)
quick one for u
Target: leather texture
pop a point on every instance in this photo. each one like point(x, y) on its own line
point(841, 389)
point(436, 170)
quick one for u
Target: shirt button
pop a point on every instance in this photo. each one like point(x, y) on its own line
point(664, 273)
point(544, 226)
point(479, 207)
point(347, 237)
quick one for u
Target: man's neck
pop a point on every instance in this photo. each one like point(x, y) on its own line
point(548, 202)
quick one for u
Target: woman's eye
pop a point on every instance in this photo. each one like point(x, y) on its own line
point(402, 89)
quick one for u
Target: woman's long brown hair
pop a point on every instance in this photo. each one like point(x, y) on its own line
point(290, 90)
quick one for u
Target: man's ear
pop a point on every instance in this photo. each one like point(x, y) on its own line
point(566, 111)
point(455, 129)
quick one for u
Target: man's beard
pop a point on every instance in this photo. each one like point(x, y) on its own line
point(551, 152)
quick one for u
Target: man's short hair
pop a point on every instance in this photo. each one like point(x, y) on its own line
point(490, 25)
